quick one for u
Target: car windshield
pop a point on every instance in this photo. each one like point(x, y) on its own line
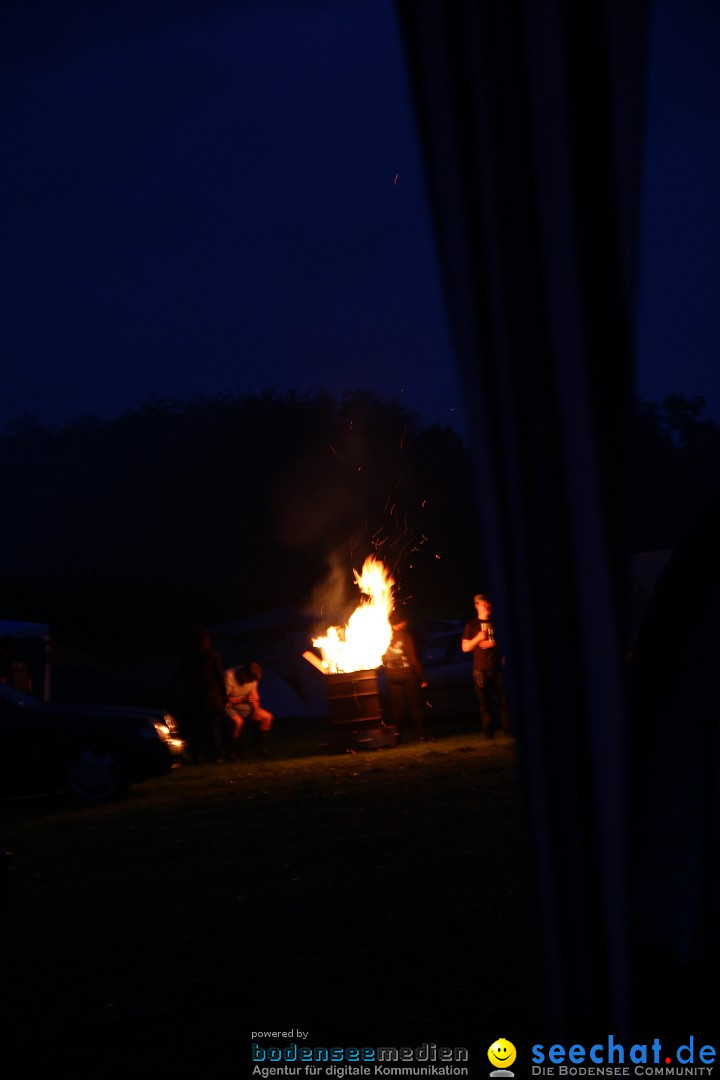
point(15, 697)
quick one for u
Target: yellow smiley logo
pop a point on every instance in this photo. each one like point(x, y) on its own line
point(502, 1054)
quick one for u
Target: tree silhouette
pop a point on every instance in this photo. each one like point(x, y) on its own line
point(201, 510)
point(127, 531)
point(675, 468)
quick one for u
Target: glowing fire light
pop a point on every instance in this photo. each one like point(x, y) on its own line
point(360, 645)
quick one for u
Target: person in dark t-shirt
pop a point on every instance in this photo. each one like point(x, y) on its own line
point(479, 639)
point(405, 675)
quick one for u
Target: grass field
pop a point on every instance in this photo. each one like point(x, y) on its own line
point(371, 899)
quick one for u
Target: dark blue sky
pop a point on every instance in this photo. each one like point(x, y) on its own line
point(215, 196)
point(679, 316)
point(226, 199)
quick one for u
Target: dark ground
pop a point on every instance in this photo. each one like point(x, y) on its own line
point(371, 899)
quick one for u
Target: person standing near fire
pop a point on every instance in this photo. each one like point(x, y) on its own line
point(203, 717)
point(479, 639)
point(405, 675)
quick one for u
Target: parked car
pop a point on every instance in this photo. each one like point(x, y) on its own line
point(448, 669)
point(91, 751)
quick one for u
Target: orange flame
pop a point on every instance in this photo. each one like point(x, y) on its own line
point(361, 644)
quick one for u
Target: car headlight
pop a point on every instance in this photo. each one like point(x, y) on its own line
point(170, 723)
point(154, 729)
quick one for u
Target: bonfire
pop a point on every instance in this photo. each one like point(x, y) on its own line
point(362, 642)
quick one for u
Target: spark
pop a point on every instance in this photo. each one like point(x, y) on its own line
point(333, 450)
point(396, 179)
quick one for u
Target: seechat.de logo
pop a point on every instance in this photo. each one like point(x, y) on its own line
point(502, 1054)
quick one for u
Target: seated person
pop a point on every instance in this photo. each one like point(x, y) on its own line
point(239, 684)
point(262, 719)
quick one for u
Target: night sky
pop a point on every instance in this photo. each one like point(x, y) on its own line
point(211, 196)
point(678, 345)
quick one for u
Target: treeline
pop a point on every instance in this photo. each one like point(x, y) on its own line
point(179, 512)
point(674, 468)
point(127, 531)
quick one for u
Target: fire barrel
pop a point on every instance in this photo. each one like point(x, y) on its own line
point(356, 714)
